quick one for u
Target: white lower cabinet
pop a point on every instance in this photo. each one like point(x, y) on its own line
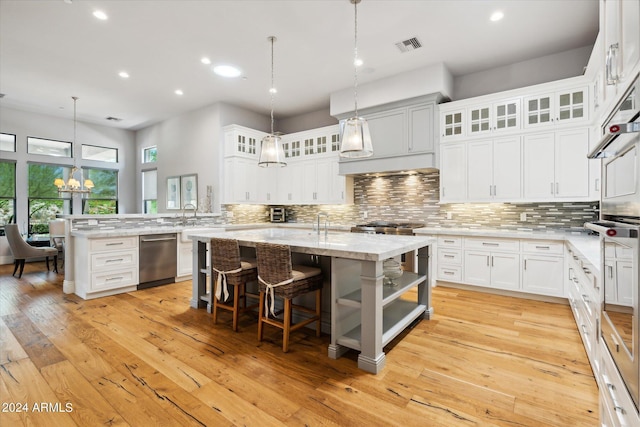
point(185, 259)
point(105, 266)
point(522, 265)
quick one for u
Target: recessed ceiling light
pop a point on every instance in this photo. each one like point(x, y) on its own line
point(123, 74)
point(358, 62)
point(205, 60)
point(273, 90)
point(227, 71)
point(100, 15)
point(496, 16)
point(179, 92)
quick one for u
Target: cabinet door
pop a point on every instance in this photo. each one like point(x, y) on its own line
point(543, 275)
point(266, 185)
point(571, 163)
point(421, 129)
point(480, 170)
point(479, 120)
point(505, 271)
point(388, 132)
point(507, 168)
point(309, 174)
point(571, 105)
point(477, 268)
point(451, 124)
point(538, 110)
point(240, 180)
point(630, 49)
point(506, 115)
point(624, 281)
point(538, 160)
point(453, 172)
point(185, 259)
point(339, 188)
point(324, 181)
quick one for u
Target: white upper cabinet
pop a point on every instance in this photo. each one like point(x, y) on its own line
point(562, 107)
point(497, 116)
point(494, 169)
point(453, 172)
point(452, 124)
point(556, 166)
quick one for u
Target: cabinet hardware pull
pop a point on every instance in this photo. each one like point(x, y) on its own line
point(490, 244)
point(492, 261)
point(448, 241)
point(449, 256)
point(610, 78)
point(525, 263)
point(115, 260)
point(115, 244)
point(543, 247)
point(487, 260)
point(552, 188)
point(161, 239)
point(557, 187)
point(114, 278)
point(448, 272)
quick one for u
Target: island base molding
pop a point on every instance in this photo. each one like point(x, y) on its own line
point(68, 286)
point(372, 365)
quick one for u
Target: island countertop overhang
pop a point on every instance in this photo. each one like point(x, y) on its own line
point(367, 247)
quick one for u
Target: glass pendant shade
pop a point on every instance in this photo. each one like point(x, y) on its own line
point(271, 152)
point(355, 138)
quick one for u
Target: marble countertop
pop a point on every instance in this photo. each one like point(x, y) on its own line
point(473, 232)
point(588, 249)
point(370, 247)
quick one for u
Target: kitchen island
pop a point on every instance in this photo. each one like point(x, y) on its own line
point(365, 313)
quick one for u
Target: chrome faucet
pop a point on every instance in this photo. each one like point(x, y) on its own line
point(326, 223)
point(184, 209)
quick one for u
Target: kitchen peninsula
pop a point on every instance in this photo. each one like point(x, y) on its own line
point(365, 314)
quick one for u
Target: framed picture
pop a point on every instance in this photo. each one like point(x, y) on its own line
point(189, 187)
point(173, 192)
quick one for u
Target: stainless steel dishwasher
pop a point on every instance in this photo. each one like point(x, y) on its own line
point(158, 259)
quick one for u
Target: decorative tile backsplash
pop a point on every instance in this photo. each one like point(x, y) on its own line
point(415, 198)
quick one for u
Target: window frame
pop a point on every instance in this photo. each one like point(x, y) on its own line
point(117, 153)
point(14, 142)
point(70, 149)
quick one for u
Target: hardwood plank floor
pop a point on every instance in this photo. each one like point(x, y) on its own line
point(147, 358)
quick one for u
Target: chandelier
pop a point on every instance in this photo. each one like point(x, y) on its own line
point(73, 185)
point(356, 139)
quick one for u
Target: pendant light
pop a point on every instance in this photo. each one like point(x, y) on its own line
point(355, 137)
point(271, 150)
point(73, 185)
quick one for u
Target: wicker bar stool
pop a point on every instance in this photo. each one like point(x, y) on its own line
point(277, 277)
point(227, 268)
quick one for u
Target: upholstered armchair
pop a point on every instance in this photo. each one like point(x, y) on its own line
point(22, 251)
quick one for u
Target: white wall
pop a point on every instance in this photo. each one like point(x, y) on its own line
point(302, 122)
point(23, 124)
point(192, 143)
point(545, 69)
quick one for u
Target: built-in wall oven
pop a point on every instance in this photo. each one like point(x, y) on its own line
point(619, 230)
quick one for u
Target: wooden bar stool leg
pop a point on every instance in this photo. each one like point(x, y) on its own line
point(260, 316)
point(287, 325)
point(318, 311)
point(236, 306)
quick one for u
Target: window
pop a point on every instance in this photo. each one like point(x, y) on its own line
point(7, 142)
point(103, 198)
point(150, 191)
point(150, 155)
point(101, 154)
point(44, 201)
point(7, 193)
point(48, 147)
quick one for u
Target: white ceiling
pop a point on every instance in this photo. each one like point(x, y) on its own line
point(51, 50)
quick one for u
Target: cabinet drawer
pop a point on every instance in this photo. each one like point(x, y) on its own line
point(114, 279)
point(492, 244)
point(614, 392)
point(115, 243)
point(449, 256)
point(450, 273)
point(449, 242)
point(111, 260)
point(543, 247)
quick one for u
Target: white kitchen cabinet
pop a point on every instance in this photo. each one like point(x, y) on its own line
point(453, 172)
point(449, 260)
point(185, 259)
point(105, 266)
point(290, 183)
point(556, 166)
point(421, 125)
point(492, 269)
point(494, 169)
point(566, 106)
point(389, 131)
point(496, 117)
point(452, 124)
point(267, 184)
point(240, 184)
point(243, 141)
point(543, 274)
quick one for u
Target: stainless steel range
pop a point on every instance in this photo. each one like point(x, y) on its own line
point(408, 260)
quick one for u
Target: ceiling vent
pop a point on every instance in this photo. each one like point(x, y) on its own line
point(114, 119)
point(1, 95)
point(408, 45)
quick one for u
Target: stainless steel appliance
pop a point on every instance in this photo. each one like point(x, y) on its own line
point(619, 230)
point(278, 214)
point(407, 260)
point(157, 260)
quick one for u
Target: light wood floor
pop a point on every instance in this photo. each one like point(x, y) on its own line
point(146, 358)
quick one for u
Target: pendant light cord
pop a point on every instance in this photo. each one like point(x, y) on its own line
point(355, 58)
point(272, 89)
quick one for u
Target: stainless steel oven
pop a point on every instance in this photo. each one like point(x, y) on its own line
point(619, 228)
